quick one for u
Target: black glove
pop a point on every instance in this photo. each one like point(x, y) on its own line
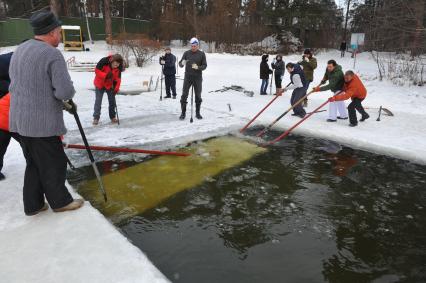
point(109, 75)
point(70, 106)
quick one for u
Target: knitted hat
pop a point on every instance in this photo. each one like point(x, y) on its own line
point(44, 22)
point(307, 51)
point(194, 41)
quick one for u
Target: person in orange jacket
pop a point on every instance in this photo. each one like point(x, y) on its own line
point(107, 79)
point(5, 135)
point(355, 90)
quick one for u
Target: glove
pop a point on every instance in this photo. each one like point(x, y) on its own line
point(317, 89)
point(109, 75)
point(331, 99)
point(70, 106)
point(182, 63)
point(195, 66)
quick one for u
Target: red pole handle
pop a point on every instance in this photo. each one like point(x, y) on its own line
point(116, 149)
point(286, 133)
point(258, 114)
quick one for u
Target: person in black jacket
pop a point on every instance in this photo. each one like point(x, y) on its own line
point(168, 61)
point(4, 73)
point(278, 66)
point(195, 62)
point(264, 74)
point(342, 48)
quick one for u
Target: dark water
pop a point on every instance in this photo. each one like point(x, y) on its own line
point(305, 211)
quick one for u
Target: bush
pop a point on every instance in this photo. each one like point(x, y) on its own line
point(401, 68)
point(142, 48)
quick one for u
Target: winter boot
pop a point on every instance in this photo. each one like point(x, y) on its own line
point(44, 208)
point(365, 117)
point(183, 114)
point(197, 111)
point(95, 122)
point(75, 204)
point(2, 177)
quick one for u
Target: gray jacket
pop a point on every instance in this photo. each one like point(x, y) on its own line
point(39, 83)
point(198, 58)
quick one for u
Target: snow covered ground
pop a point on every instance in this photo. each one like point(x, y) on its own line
point(83, 246)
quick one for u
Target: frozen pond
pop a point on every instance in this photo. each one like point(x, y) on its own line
point(305, 210)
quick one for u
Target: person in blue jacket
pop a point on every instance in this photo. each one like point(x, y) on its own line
point(299, 85)
point(168, 61)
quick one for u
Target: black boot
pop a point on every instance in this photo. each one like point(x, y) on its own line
point(183, 114)
point(197, 111)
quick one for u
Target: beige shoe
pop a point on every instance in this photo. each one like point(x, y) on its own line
point(44, 208)
point(75, 204)
point(95, 122)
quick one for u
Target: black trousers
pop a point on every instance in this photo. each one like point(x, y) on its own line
point(355, 105)
point(4, 143)
point(189, 81)
point(278, 81)
point(297, 94)
point(170, 81)
point(45, 173)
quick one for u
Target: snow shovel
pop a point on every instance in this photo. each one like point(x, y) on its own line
point(386, 111)
point(70, 106)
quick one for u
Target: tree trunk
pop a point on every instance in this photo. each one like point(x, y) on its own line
point(418, 47)
point(66, 8)
point(54, 7)
point(108, 21)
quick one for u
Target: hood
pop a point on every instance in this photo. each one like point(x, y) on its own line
point(338, 68)
point(264, 58)
point(297, 69)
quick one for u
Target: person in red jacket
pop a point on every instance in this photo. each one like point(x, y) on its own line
point(354, 89)
point(107, 79)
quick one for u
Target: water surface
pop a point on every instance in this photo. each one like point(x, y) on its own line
point(304, 211)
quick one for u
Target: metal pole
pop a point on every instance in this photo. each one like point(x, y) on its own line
point(87, 20)
point(69, 105)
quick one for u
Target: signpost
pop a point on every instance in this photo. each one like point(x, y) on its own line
point(357, 40)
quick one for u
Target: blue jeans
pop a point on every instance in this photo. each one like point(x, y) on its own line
point(98, 103)
point(264, 86)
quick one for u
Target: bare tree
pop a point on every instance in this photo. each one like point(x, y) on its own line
point(108, 21)
point(55, 7)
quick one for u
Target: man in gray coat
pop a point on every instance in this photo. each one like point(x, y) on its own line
point(40, 83)
point(195, 62)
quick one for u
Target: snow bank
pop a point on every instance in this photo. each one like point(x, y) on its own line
point(83, 246)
